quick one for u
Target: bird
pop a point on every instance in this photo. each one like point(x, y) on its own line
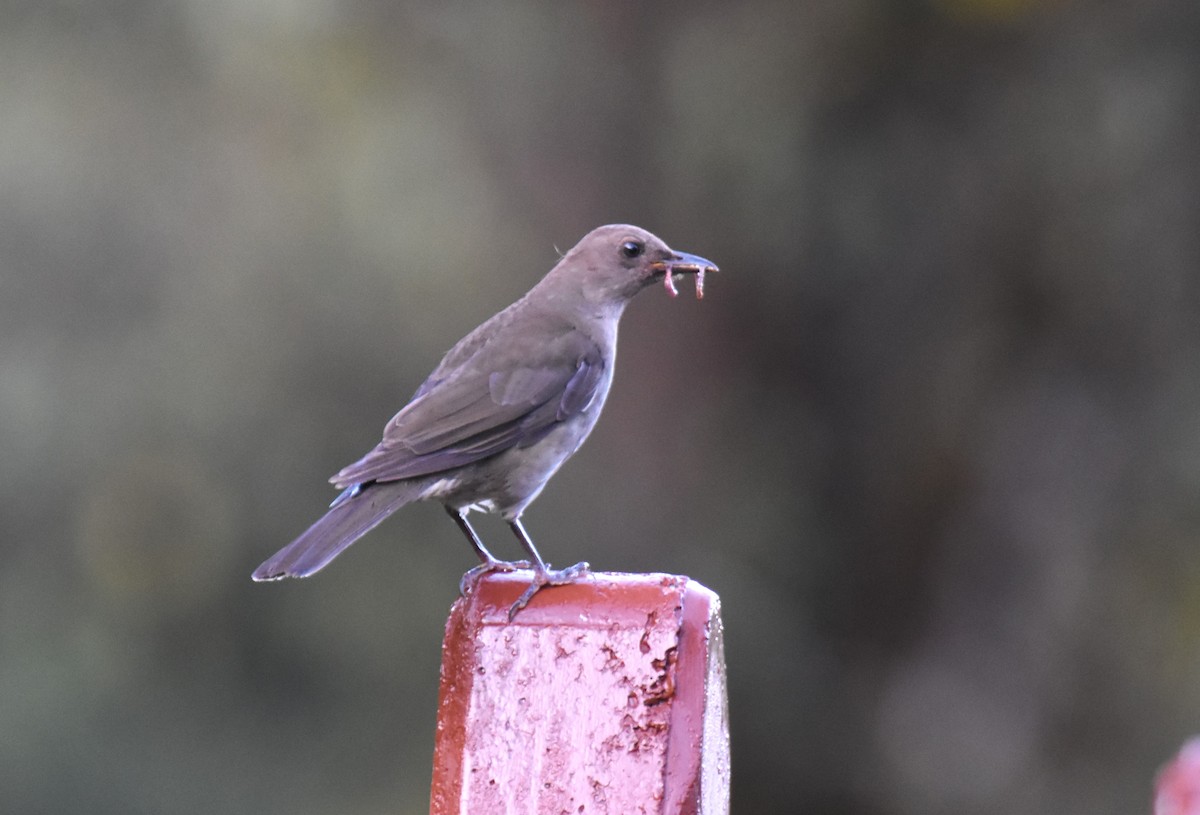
point(502, 411)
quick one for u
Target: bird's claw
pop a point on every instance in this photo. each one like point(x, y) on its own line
point(467, 583)
point(547, 577)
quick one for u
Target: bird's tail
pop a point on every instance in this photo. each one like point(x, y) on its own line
point(353, 515)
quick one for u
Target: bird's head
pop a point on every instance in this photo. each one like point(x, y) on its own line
point(613, 263)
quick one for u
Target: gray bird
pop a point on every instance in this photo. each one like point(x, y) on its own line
point(503, 410)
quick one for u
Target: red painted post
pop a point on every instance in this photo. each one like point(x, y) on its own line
point(1177, 789)
point(604, 696)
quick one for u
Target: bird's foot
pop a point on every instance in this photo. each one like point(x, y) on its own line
point(548, 577)
point(467, 584)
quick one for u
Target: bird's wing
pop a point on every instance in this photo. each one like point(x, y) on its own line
point(478, 412)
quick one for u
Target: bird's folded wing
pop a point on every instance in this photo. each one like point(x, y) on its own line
point(477, 414)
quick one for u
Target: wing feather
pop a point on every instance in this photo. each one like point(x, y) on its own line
point(474, 413)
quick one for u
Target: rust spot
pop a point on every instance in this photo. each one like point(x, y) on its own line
point(612, 662)
point(644, 645)
point(599, 794)
point(646, 735)
point(662, 688)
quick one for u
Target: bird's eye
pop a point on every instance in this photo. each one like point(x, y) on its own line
point(632, 249)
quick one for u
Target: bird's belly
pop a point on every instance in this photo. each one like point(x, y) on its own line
point(507, 482)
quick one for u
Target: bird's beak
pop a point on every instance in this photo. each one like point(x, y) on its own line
point(683, 263)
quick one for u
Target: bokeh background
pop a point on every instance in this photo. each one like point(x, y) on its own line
point(934, 435)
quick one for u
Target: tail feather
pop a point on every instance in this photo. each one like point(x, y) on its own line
point(350, 517)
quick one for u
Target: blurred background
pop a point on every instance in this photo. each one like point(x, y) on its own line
point(934, 435)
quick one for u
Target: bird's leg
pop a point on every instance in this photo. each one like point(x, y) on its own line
point(542, 575)
point(488, 563)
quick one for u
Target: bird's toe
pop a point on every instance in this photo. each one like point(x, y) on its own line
point(548, 577)
point(466, 583)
